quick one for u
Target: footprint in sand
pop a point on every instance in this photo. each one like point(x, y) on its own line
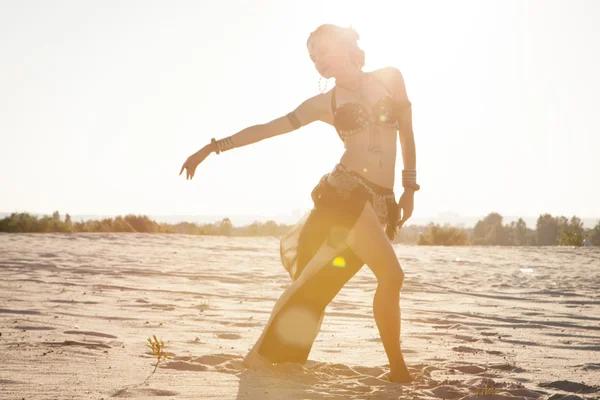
point(10, 382)
point(230, 336)
point(464, 349)
point(448, 392)
point(219, 363)
point(591, 367)
point(493, 397)
point(246, 324)
point(89, 333)
point(470, 369)
point(143, 393)
point(24, 312)
point(530, 394)
point(507, 367)
point(466, 338)
point(573, 387)
point(162, 307)
point(185, 366)
point(48, 255)
point(34, 328)
point(558, 396)
point(92, 346)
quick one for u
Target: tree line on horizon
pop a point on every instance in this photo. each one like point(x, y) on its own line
point(489, 231)
point(28, 223)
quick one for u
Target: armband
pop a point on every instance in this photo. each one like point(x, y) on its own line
point(294, 120)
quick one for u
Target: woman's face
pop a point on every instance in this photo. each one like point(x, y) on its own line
point(328, 55)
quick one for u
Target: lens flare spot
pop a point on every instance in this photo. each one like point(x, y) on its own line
point(298, 326)
point(383, 118)
point(339, 262)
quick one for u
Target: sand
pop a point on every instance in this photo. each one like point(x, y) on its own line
point(495, 323)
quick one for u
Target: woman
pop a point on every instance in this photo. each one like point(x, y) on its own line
point(355, 214)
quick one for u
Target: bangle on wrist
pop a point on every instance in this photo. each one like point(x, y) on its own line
point(409, 179)
point(222, 144)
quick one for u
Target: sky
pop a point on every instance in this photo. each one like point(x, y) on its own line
point(101, 102)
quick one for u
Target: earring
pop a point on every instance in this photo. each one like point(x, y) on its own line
point(323, 87)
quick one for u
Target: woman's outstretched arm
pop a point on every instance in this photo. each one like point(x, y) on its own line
point(311, 110)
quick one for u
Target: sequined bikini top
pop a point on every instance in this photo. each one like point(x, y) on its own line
point(351, 118)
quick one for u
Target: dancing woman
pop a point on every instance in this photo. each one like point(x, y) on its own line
point(355, 214)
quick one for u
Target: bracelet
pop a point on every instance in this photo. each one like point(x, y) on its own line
point(409, 179)
point(222, 144)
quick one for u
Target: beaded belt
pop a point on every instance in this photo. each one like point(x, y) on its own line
point(345, 181)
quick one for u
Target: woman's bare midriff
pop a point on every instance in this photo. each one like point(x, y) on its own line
point(378, 168)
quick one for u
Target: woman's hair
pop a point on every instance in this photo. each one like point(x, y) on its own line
point(348, 36)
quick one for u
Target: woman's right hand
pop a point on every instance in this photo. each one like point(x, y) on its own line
point(193, 161)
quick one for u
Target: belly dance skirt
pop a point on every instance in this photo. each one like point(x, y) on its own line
point(339, 199)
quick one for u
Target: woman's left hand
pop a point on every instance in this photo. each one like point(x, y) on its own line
point(192, 162)
point(406, 206)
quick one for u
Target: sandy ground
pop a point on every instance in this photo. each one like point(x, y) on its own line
point(495, 323)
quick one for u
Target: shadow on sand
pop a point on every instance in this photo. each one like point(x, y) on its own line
point(314, 380)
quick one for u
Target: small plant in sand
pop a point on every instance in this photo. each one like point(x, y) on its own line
point(157, 348)
point(487, 388)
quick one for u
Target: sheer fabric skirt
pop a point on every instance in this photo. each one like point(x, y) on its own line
point(339, 199)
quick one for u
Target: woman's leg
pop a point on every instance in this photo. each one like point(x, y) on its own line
point(297, 315)
point(369, 242)
point(254, 359)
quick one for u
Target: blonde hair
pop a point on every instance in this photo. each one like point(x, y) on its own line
point(348, 36)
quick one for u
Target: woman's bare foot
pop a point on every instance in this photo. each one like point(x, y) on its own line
point(397, 376)
point(253, 360)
